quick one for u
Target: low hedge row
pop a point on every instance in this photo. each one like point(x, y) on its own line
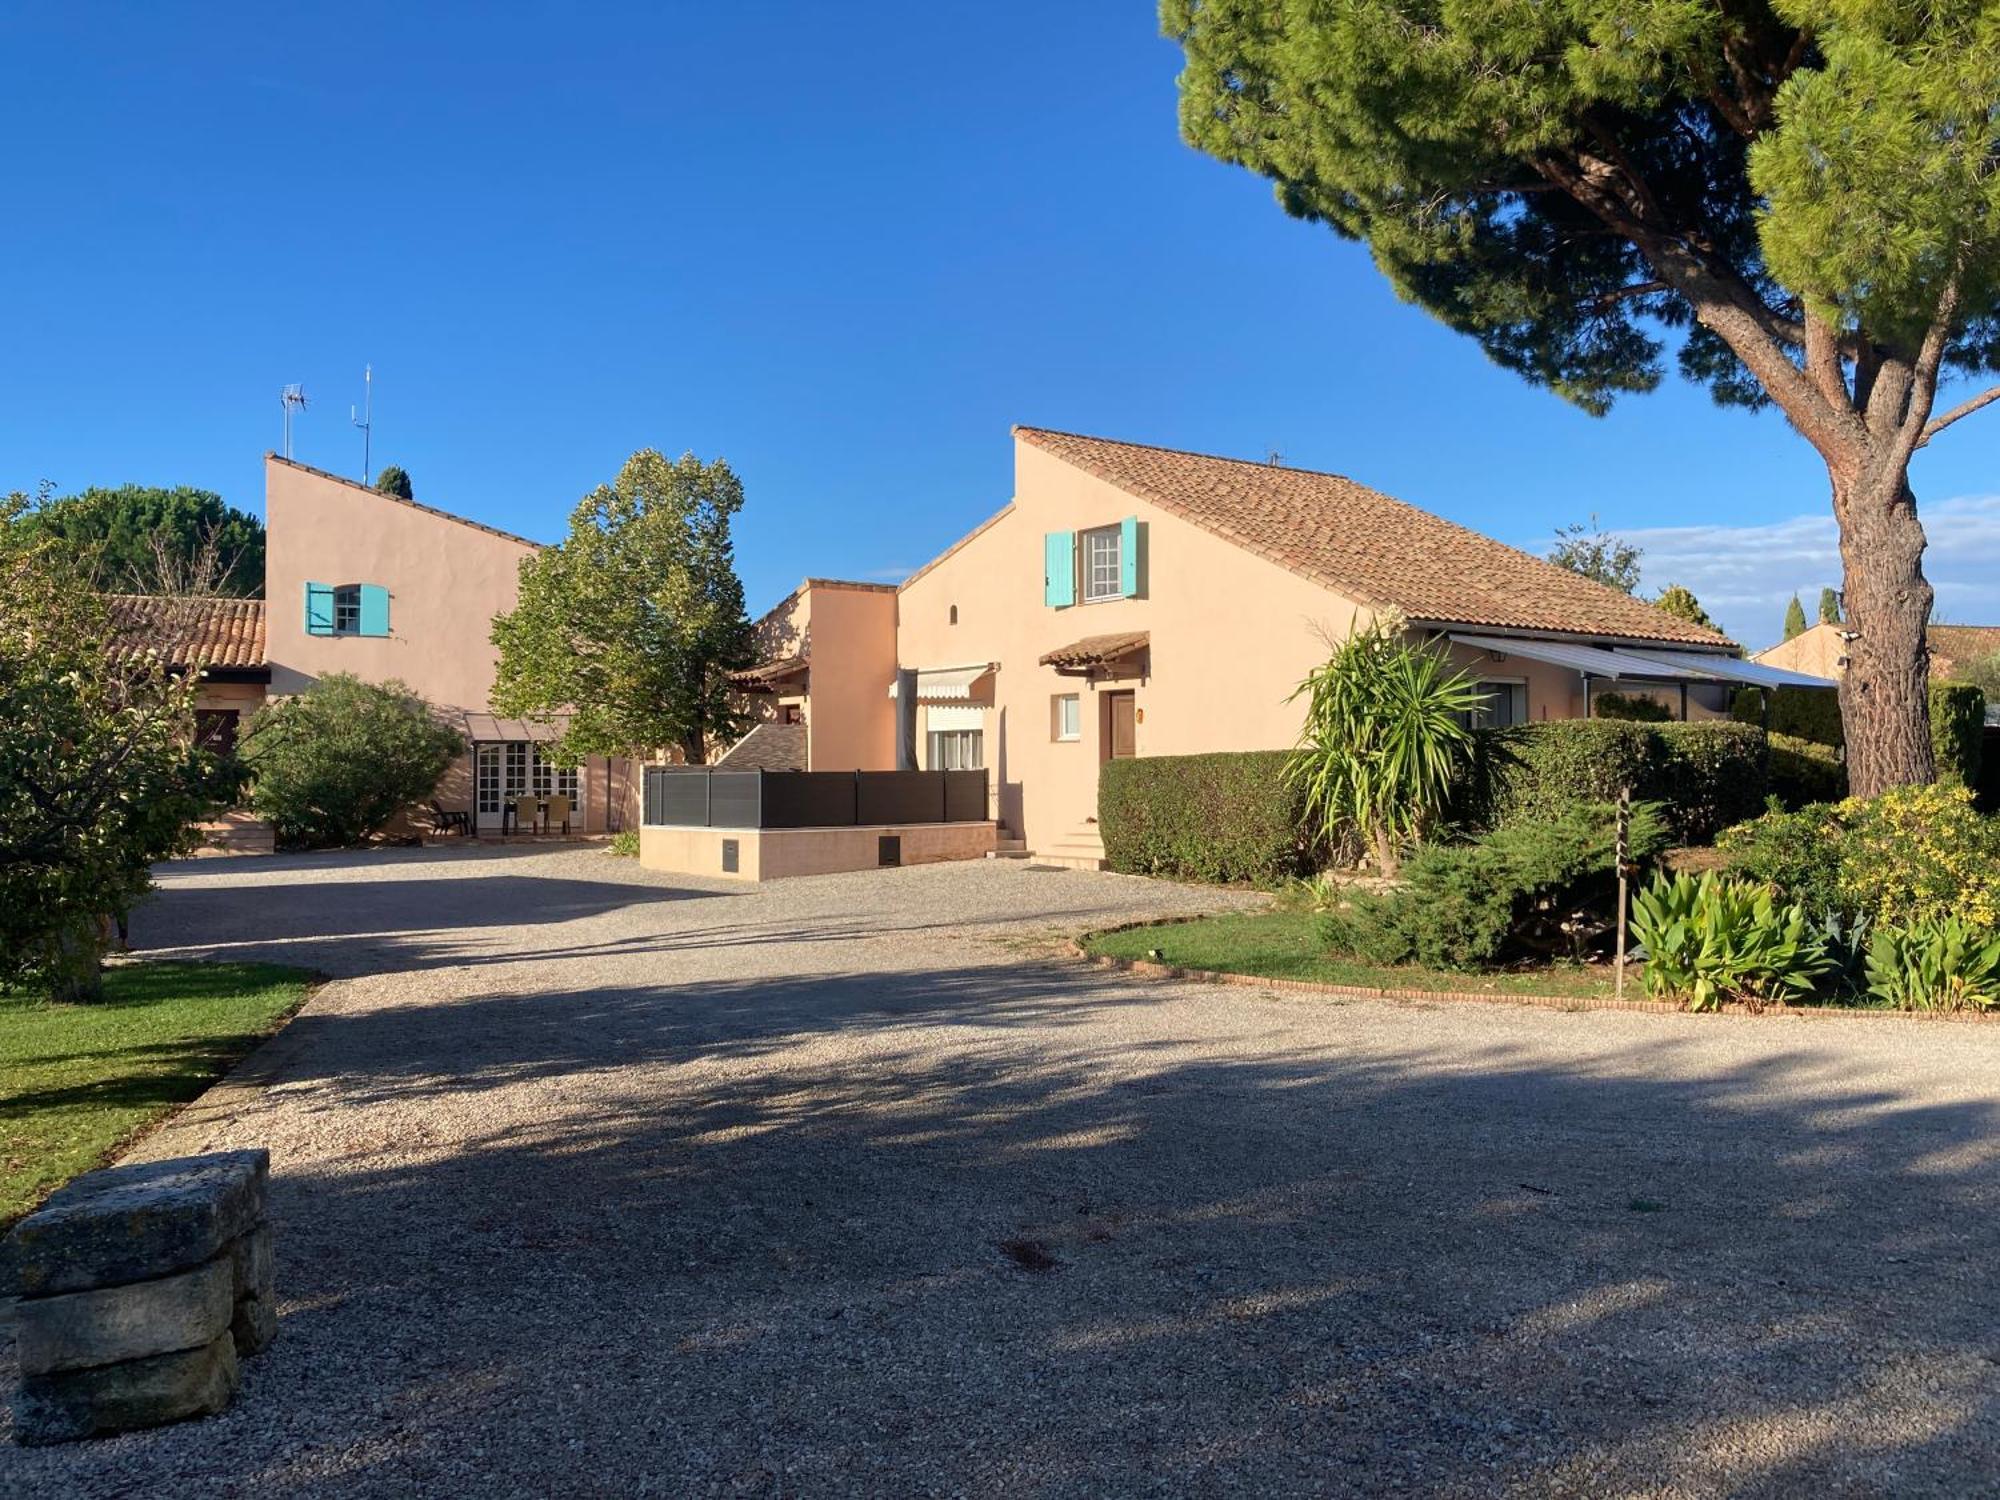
point(1705, 776)
point(1223, 818)
point(1958, 723)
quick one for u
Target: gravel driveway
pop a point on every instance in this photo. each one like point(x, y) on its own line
point(591, 1184)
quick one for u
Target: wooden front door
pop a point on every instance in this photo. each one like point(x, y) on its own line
point(1121, 721)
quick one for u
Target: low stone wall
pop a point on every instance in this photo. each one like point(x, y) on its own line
point(140, 1287)
point(775, 853)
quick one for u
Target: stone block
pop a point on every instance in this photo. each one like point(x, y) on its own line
point(74, 1330)
point(254, 1324)
point(137, 1222)
point(65, 1405)
point(251, 1254)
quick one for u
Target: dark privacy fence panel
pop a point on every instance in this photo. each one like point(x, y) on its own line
point(689, 797)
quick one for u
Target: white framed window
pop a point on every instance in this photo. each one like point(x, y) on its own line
point(1103, 564)
point(1066, 716)
point(552, 780)
point(957, 750)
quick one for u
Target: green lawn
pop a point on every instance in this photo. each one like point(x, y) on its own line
point(78, 1081)
point(1282, 944)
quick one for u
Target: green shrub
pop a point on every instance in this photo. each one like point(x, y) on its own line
point(1225, 817)
point(1633, 708)
point(1798, 713)
point(1942, 964)
point(625, 844)
point(1710, 938)
point(1804, 772)
point(1796, 853)
point(1705, 776)
point(1528, 889)
point(335, 764)
point(1958, 731)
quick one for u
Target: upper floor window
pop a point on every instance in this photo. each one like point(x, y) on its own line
point(1085, 567)
point(347, 609)
point(1103, 566)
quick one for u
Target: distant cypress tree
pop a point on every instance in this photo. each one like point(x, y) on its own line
point(1829, 606)
point(395, 480)
point(1795, 619)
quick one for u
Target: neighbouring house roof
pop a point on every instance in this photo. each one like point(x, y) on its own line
point(1961, 645)
point(429, 510)
point(490, 728)
point(226, 634)
point(1359, 542)
point(1096, 651)
point(768, 747)
point(769, 676)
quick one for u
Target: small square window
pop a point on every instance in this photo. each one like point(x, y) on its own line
point(347, 609)
point(1068, 716)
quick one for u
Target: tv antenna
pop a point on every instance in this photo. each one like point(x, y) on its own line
point(292, 398)
point(365, 418)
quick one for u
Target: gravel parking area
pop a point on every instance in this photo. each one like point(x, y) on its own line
point(590, 1183)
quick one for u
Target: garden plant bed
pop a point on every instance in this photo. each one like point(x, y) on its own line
point(1278, 949)
point(79, 1082)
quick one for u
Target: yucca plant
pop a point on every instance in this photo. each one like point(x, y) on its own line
point(1385, 739)
point(1941, 964)
point(1711, 939)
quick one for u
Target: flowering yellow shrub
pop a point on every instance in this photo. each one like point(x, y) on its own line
point(1922, 853)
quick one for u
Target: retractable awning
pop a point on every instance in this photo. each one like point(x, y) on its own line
point(1732, 669)
point(946, 684)
point(487, 729)
point(1591, 661)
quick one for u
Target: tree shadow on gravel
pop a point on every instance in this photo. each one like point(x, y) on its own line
point(753, 1237)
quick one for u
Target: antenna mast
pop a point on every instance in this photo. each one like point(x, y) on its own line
point(365, 418)
point(292, 398)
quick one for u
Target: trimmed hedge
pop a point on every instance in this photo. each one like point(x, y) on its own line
point(1219, 818)
point(1803, 772)
point(1797, 713)
point(1958, 719)
point(1705, 776)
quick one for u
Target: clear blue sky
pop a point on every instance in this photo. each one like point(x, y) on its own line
point(842, 246)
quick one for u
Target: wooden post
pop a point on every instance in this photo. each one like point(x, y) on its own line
point(1624, 868)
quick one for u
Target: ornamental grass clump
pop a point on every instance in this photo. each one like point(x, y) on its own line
point(1939, 964)
point(1711, 938)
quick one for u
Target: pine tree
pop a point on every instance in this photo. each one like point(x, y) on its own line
point(1680, 601)
point(395, 480)
point(1795, 619)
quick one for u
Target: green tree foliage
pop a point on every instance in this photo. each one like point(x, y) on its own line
point(395, 480)
point(1680, 602)
point(99, 777)
point(1597, 554)
point(1795, 619)
point(334, 765)
point(1794, 199)
point(1829, 606)
point(1384, 741)
point(139, 539)
point(633, 623)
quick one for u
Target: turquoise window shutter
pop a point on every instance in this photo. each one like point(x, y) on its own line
point(319, 609)
point(374, 609)
point(1059, 569)
point(1128, 557)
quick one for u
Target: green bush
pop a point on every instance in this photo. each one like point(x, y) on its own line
point(1633, 708)
point(1804, 772)
point(1705, 776)
point(1525, 890)
point(1796, 853)
point(1941, 964)
point(1798, 713)
point(625, 844)
point(1710, 938)
point(335, 764)
point(1958, 731)
point(1220, 818)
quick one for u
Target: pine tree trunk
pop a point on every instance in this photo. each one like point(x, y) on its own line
point(1885, 693)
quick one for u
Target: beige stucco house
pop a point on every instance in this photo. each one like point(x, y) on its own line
point(1134, 600)
point(1821, 650)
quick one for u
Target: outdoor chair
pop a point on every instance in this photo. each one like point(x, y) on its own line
point(528, 813)
point(449, 820)
point(558, 813)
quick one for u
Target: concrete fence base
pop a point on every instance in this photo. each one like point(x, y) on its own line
point(140, 1287)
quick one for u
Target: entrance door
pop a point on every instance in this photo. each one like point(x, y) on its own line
point(1121, 718)
point(486, 789)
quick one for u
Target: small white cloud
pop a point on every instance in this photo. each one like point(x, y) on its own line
point(1745, 575)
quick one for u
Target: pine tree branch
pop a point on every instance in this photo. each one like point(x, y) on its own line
point(1964, 409)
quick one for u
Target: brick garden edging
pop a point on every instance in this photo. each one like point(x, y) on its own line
point(1147, 969)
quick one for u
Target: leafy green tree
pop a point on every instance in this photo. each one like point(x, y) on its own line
point(1680, 602)
point(1795, 619)
point(335, 765)
point(99, 773)
point(1385, 738)
point(1797, 196)
point(145, 540)
point(395, 480)
point(1597, 554)
point(1829, 607)
point(633, 623)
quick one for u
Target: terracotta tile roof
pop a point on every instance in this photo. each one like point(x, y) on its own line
point(767, 676)
point(190, 632)
point(1096, 651)
point(1954, 646)
point(1379, 552)
point(768, 747)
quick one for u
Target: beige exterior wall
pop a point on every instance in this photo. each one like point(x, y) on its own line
point(1817, 650)
point(848, 633)
point(778, 853)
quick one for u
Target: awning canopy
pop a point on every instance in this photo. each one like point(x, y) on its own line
point(1642, 664)
point(1095, 651)
point(486, 729)
point(770, 676)
point(947, 684)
